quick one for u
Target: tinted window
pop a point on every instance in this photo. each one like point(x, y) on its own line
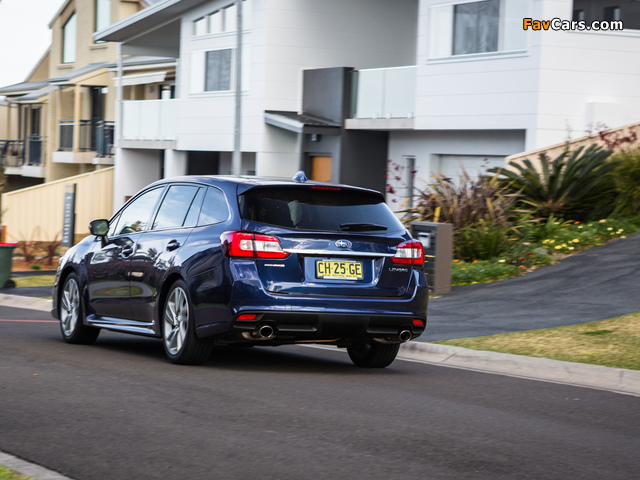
point(318, 209)
point(174, 207)
point(113, 225)
point(194, 209)
point(214, 209)
point(135, 217)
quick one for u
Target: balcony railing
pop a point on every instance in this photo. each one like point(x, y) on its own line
point(35, 150)
point(94, 136)
point(384, 92)
point(150, 120)
point(12, 153)
point(104, 138)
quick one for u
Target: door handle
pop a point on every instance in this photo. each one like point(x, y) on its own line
point(172, 245)
point(126, 251)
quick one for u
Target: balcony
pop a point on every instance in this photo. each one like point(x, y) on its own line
point(92, 143)
point(384, 94)
point(12, 153)
point(150, 120)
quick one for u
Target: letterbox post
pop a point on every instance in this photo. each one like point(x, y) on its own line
point(437, 242)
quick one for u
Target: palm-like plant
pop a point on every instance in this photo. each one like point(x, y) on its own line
point(574, 185)
point(463, 203)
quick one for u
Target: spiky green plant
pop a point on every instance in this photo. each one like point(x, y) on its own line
point(627, 180)
point(575, 185)
point(464, 203)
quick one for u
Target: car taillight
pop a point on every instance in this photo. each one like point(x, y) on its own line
point(409, 253)
point(252, 245)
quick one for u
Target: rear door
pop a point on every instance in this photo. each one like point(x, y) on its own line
point(340, 241)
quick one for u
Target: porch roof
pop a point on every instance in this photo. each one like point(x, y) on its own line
point(301, 122)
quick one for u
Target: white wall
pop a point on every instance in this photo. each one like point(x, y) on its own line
point(134, 170)
point(555, 88)
point(481, 91)
point(429, 147)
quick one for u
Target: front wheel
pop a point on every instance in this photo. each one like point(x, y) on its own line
point(181, 344)
point(373, 355)
point(72, 314)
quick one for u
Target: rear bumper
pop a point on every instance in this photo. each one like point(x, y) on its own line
point(325, 327)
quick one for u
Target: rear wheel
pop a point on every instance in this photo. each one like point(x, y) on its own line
point(72, 314)
point(373, 355)
point(181, 344)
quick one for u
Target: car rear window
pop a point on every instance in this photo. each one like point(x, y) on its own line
point(318, 208)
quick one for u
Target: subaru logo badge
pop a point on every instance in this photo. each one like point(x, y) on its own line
point(343, 244)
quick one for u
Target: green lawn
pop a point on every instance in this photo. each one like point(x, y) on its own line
point(35, 281)
point(614, 342)
point(6, 474)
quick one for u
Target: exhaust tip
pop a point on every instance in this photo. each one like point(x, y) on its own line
point(265, 331)
point(405, 335)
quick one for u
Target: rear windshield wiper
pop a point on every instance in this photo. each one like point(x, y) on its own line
point(360, 227)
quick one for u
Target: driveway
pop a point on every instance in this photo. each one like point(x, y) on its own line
point(596, 284)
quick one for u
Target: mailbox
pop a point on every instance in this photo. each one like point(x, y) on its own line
point(437, 242)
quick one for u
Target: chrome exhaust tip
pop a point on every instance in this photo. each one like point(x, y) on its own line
point(265, 332)
point(405, 335)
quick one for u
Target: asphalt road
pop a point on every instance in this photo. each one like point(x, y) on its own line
point(118, 410)
point(595, 284)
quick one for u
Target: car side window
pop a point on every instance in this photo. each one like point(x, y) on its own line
point(113, 225)
point(194, 209)
point(214, 208)
point(174, 207)
point(135, 217)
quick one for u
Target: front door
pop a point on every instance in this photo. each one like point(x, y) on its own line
point(321, 168)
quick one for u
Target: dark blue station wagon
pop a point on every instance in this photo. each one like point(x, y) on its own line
point(204, 260)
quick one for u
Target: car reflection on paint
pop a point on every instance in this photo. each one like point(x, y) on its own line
point(206, 260)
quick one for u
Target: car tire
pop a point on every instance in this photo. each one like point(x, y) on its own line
point(373, 355)
point(71, 313)
point(181, 344)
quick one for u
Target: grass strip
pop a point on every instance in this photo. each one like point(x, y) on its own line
point(6, 474)
point(35, 281)
point(614, 342)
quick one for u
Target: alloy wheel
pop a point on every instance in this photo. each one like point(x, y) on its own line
point(176, 320)
point(69, 307)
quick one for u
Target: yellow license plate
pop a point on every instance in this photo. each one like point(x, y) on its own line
point(329, 269)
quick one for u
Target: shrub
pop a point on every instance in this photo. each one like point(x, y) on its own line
point(627, 180)
point(481, 271)
point(463, 204)
point(482, 241)
point(575, 185)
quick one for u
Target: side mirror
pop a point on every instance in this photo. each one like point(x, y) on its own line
point(99, 228)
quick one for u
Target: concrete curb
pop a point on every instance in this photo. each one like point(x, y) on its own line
point(593, 376)
point(29, 469)
point(19, 301)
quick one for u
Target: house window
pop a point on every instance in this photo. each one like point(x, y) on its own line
point(611, 14)
point(218, 70)
point(103, 14)
point(476, 27)
point(223, 21)
point(69, 40)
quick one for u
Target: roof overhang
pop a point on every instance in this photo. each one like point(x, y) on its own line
point(301, 123)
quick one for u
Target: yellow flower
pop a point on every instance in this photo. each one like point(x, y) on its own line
point(456, 261)
point(576, 223)
point(575, 240)
point(501, 261)
point(580, 226)
point(610, 228)
point(475, 261)
point(603, 221)
point(545, 240)
point(557, 247)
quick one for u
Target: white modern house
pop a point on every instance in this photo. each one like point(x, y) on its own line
point(344, 88)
